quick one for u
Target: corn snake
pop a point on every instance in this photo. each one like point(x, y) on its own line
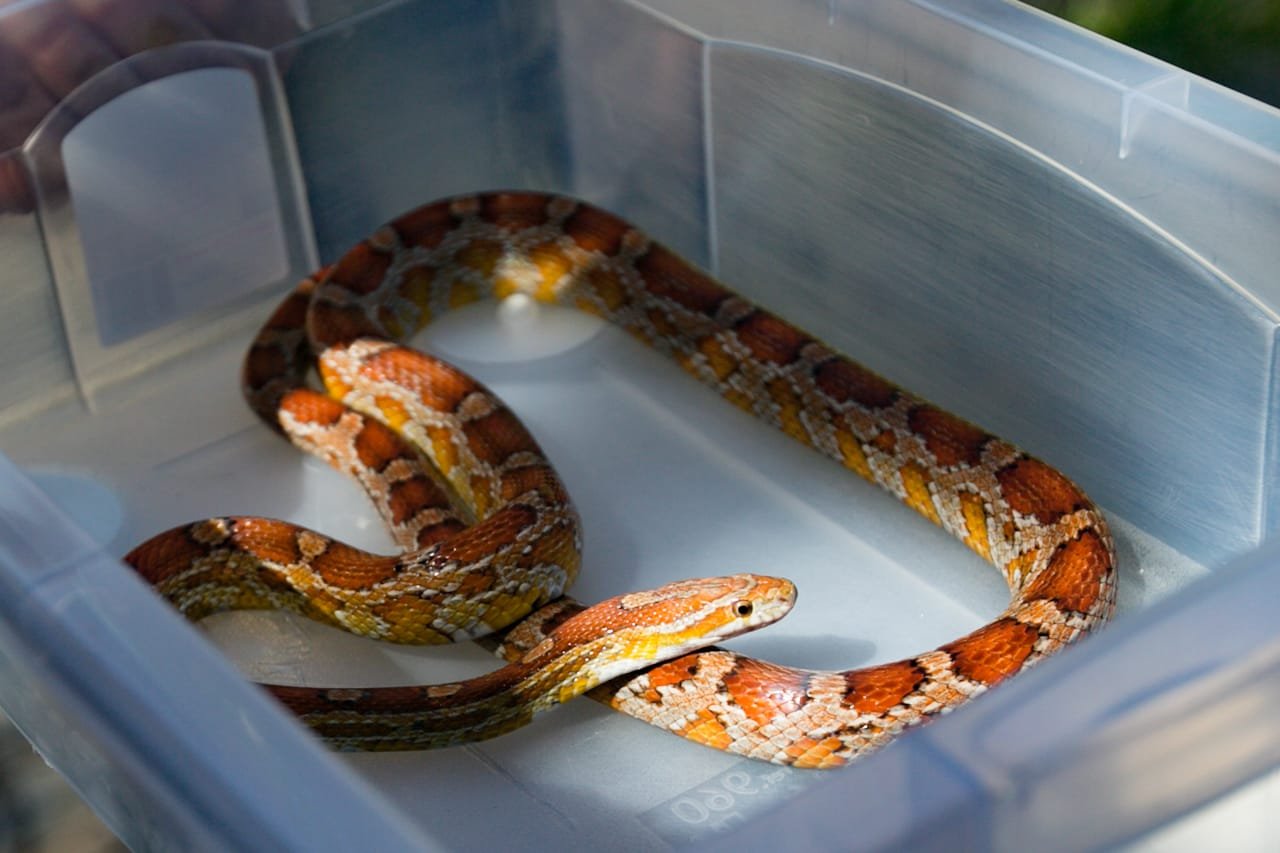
point(488, 530)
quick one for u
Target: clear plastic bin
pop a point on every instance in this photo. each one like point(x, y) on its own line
point(1062, 240)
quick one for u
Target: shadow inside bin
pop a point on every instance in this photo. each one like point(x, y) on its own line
point(819, 651)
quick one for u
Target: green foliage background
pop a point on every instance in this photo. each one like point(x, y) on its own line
point(1233, 42)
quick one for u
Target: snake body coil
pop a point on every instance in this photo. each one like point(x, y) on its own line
point(487, 529)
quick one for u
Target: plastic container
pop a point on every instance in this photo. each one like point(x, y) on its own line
point(1064, 241)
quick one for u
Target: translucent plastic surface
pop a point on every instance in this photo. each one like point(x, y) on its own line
point(707, 490)
point(148, 262)
point(997, 266)
point(155, 254)
point(107, 686)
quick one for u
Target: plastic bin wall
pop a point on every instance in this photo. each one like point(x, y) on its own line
point(1061, 240)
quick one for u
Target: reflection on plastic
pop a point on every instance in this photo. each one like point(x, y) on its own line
point(175, 200)
point(90, 504)
point(524, 331)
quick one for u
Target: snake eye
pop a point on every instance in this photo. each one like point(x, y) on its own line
point(743, 608)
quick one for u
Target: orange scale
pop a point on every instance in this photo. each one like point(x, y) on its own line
point(334, 384)
point(443, 452)
point(915, 483)
point(705, 729)
point(480, 255)
point(416, 286)
point(393, 412)
point(585, 305)
point(852, 455)
point(1073, 576)
point(741, 400)
point(551, 261)
point(409, 497)
point(1021, 565)
point(993, 652)
point(722, 363)
point(974, 510)
point(604, 283)
point(886, 442)
point(788, 409)
point(672, 673)
point(800, 748)
point(376, 446)
point(820, 755)
point(661, 323)
point(480, 488)
point(816, 755)
point(462, 293)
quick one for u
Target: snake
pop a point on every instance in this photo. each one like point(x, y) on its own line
point(488, 537)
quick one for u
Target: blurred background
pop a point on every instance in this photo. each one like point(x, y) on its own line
point(1236, 44)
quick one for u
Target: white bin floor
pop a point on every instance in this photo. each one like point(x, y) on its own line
point(671, 483)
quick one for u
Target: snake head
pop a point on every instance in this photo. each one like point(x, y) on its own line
point(703, 611)
point(656, 625)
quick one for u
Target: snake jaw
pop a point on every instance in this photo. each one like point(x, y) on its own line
point(637, 629)
point(695, 613)
point(776, 599)
point(765, 600)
